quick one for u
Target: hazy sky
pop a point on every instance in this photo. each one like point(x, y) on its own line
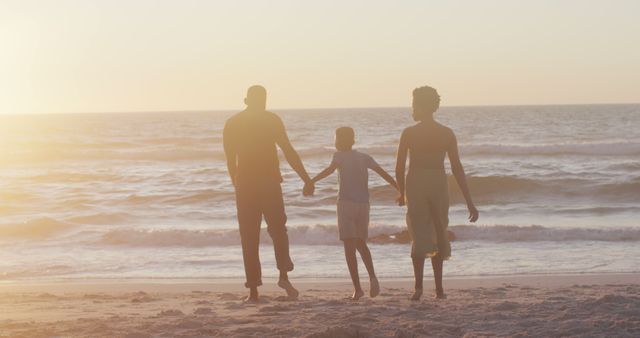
point(112, 55)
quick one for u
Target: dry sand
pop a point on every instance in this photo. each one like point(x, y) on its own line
point(535, 306)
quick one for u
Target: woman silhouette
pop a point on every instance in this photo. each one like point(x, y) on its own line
point(427, 194)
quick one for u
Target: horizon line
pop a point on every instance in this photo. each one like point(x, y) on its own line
point(314, 108)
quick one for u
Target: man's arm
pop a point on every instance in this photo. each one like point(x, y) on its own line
point(230, 153)
point(401, 162)
point(458, 173)
point(290, 154)
point(385, 175)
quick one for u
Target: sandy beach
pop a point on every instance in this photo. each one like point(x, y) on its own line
point(537, 306)
point(156, 157)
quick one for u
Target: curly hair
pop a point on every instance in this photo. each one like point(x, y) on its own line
point(426, 99)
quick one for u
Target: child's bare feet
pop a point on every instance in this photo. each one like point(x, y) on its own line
point(292, 293)
point(416, 295)
point(374, 287)
point(357, 295)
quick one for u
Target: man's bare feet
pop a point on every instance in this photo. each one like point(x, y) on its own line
point(292, 293)
point(416, 295)
point(357, 295)
point(374, 287)
point(252, 297)
point(251, 300)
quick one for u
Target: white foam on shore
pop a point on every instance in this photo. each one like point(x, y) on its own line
point(328, 235)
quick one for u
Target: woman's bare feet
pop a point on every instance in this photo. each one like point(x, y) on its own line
point(374, 287)
point(292, 293)
point(357, 294)
point(416, 294)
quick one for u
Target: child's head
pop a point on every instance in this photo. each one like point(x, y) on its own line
point(345, 138)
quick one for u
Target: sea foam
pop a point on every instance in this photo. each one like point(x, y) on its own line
point(328, 235)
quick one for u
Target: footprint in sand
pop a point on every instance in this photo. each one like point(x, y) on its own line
point(202, 311)
point(284, 299)
point(236, 305)
point(189, 324)
point(137, 335)
point(142, 299)
point(333, 302)
point(229, 296)
point(275, 308)
point(506, 306)
point(170, 313)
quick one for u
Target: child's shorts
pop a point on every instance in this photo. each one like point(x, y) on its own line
point(353, 220)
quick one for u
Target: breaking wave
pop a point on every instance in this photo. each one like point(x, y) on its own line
point(328, 235)
point(585, 149)
point(606, 148)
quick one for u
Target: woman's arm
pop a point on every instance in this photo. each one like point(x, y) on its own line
point(401, 162)
point(461, 178)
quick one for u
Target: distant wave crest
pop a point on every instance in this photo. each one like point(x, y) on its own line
point(493, 189)
point(328, 235)
point(38, 228)
point(606, 148)
point(585, 149)
point(203, 149)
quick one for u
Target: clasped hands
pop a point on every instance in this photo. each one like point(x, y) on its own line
point(309, 188)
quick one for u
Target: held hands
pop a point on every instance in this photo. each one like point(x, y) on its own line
point(309, 189)
point(400, 200)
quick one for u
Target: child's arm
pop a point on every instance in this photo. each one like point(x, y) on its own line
point(309, 187)
point(385, 175)
point(326, 172)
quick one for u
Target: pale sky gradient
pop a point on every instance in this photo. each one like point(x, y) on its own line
point(139, 55)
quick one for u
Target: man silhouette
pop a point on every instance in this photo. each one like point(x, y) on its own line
point(250, 138)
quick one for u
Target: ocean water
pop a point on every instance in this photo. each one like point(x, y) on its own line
point(146, 195)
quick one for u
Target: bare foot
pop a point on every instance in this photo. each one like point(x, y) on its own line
point(292, 293)
point(357, 295)
point(374, 287)
point(251, 300)
point(440, 295)
point(416, 295)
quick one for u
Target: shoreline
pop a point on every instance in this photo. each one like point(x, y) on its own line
point(269, 284)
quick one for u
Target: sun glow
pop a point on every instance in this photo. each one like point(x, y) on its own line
point(88, 56)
